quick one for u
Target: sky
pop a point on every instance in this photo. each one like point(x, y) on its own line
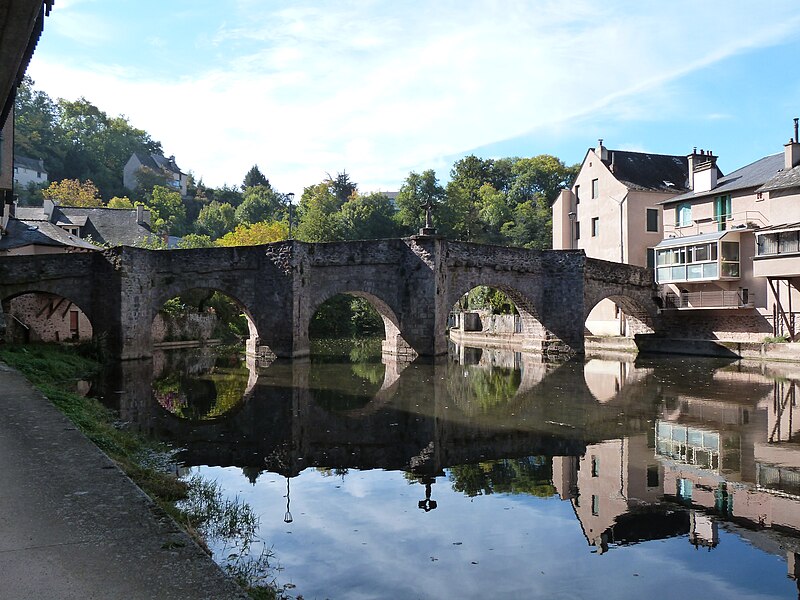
point(379, 88)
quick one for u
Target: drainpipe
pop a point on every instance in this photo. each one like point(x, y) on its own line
point(621, 229)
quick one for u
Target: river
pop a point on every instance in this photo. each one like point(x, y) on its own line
point(488, 473)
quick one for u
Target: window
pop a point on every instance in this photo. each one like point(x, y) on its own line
point(683, 215)
point(595, 188)
point(577, 194)
point(722, 211)
point(651, 258)
point(713, 260)
point(595, 466)
point(595, 226)
point(652, 476)
point(595, 505)
point(783, 242)
point(577, 230)
point(652, 219)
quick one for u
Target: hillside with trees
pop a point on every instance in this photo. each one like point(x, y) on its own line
point(499, 201)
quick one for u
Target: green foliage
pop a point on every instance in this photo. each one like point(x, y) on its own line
point(368, 217)
point(415, 192)
point(120, 202)
point(76, 139)
point(484, 297)
point(345, 316)
point(318, 214)
point(254, 177)
point(532, 475)
point(260, 203)
point(168, 215)
point(777, 339)
point(195, 240)
point(215, 220)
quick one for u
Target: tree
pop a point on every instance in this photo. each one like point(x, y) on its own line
point(167, 211)
point(255, 234)
point(342, 187)
point(36, 128)
point(216, 219)
point(254, 177)
point(147, 179)
point(260, 203)
point(417, 189)
point(229, 194)
point(368, 217)
point(319, 214)
point(117, 202)
point(195, 240)
point(71, 192)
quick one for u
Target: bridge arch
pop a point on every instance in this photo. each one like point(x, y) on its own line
point(632, 315)
point(254, 339)
point(531, 327)
point(37, 315)
point(394, 342)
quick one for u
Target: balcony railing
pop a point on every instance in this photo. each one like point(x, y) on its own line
point(745, 219)
point(711, 299)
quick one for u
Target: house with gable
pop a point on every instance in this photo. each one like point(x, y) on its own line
point(156, 163)
point(613, 212)
point(29, 171)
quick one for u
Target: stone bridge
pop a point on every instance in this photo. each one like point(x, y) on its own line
point(412, 282)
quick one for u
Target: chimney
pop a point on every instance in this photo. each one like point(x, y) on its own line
point(142, 215)
point(601, 151)
point(702, 170)
point(791, 151)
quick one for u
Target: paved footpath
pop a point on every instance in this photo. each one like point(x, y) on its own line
point(72, 525)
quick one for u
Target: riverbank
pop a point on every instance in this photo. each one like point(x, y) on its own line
point(75, 526)
point(645, 344)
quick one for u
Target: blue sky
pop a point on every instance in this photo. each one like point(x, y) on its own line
point(380, 88)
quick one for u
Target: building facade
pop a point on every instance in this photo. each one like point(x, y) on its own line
point(613, 212)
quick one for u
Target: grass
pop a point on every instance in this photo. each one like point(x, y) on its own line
point(197, 505)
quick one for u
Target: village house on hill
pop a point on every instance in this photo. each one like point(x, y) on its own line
point(156, 163)
point(29, 171)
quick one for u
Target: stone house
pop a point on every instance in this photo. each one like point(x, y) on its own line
point(613, 211)
point(52, 229)
point(729, 262)
point(167, 167)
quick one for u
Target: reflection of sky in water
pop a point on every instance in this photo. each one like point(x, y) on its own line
point(364, 537)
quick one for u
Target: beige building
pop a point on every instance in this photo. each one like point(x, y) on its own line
point(613, 212)
point(730, 255)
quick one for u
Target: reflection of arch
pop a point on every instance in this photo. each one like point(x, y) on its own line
point(203, 384)
point(638, 318)
point(35, 315)
point(253, 341)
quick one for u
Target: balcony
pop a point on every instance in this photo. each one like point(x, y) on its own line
point(706, 300)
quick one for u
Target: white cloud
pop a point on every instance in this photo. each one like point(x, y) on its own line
point(304, 90)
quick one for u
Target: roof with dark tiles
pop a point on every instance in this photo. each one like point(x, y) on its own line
point(753, 175)
point(21, 233)
point(649, 172)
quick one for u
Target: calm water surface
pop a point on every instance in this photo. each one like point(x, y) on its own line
point(493, 474)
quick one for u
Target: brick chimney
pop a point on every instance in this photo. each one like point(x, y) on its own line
point(791, 151)
point(702, 170)
point(142, 215)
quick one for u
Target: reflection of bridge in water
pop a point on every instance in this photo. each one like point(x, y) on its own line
point(643, 450)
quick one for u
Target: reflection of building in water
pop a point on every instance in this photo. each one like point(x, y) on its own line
point(606, 378)
point(731, 459)
point(614, 489)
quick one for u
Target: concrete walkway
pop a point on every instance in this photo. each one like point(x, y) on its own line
point(72, 525)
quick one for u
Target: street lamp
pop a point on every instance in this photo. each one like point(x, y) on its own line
point(290, 202)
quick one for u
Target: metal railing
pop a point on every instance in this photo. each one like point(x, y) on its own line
point(709, 299)
point(737, 220)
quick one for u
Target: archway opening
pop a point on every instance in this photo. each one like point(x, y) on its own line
point(355, 326)
point(44, 317)
point(494, 316)
point(202, 317)
point(618, 316)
